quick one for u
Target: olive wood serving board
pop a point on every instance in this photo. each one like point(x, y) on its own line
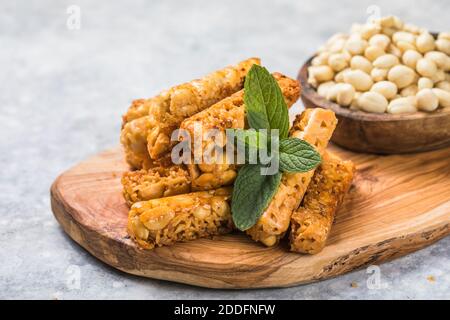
point(397, 204)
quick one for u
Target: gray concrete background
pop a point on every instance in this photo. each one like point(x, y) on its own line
point(63, 92)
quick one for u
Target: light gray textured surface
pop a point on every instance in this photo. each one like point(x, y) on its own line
point(63, 92)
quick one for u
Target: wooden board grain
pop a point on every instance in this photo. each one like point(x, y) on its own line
point(397, 204)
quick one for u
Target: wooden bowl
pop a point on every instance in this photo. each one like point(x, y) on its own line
point(381, 133)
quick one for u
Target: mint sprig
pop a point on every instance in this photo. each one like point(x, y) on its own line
point(266, 109)
point(264, 102)
point(298, 156)
point(251, 195)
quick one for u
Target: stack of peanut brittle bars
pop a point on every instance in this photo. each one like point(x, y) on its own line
point(180, 202)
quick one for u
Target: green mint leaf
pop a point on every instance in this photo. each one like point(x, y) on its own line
point(251, 138)
point(249, 143)
point(264, 102)
point(251, 195)
point(297, 156)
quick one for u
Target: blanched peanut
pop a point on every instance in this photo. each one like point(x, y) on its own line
point(443, 45)
point(405, 46)
point(426, 67)
point(361, 63)
point(441, 59)
point(409, 91)
point(373, 52)
point(392, 49)
point(402, 105)
point(332, 93)
point(323, 88)
point(345, 94)
point(321, 59)
point(410, 58)
point(386, 61)
point(380, 40)
point(337, 61)
point(378, 74)
point(356, 46)
point(347, 55)
point(368, 30)
point(404, 36)
point(411, 28)
point(444, 35)
point(401, 75)
point(443, 96)
point(446, 67)
point(444, 85)
point(384, 57)
point(425, 83)
point(387, 22)
point(337, 46)
point(427, 100)
point(321, 73)
point(438, 76)
point(425, 42)
point(372, 102)
point(354, 105)
point(312, 81)
point(340, 75)
point(360, 80)
point(388, 31)
point(386, 88)
point(399, 24)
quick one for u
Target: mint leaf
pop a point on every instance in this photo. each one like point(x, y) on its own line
point(252, 193)
point(251, 138)
point(297, 156)
point(264, 102)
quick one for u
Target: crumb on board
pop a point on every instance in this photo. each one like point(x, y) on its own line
point(431, 279)
point(354, 285)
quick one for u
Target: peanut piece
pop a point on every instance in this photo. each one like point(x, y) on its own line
point(401, 75)
point(386, 61)
point(402, 105)
point(410, 58)
point(386, 88)
point(426, 67)
point(360, 80)
point(425, 42)
point(427, 100)
point(443, 96)
point(372, 102)
point(361, 63)
point(425, 83)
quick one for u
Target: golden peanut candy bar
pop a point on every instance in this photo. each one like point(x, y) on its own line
point(226, 114)
point(194, 96)
point(134, 141)
point(185, 217)
point(138, 109)
point(315, 126)
point(311, 223)
point(149, 123)
point(188, 99)
point(155, 183)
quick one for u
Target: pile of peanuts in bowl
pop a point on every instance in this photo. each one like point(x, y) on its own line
point(384, 66)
